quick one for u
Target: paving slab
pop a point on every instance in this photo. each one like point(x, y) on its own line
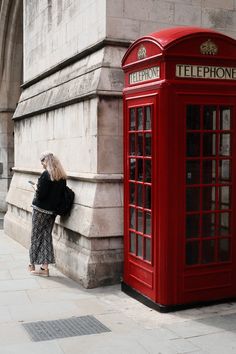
point(5, 275)
point(60, 294)
point(134, 327)
point(12, 333)
point(32, 348)
point(108, 343)
point(225, 342)
point(14, 297)
point(43, 311)
point(4, 314)
point(18, 284)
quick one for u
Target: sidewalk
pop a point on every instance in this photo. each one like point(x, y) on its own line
point(134, 328)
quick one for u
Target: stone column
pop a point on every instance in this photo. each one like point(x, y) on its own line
point(10, 80)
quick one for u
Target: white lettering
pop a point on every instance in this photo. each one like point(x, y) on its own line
point(205, 72)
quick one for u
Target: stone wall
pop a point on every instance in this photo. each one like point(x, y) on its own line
point(130, 19)
point(68, 112)
point(71, 103)
point(55, 30)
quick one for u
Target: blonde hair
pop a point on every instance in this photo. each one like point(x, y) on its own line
point(53, 166)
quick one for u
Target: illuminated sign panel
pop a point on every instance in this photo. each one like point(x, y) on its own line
point(205, 72)
point(144, 75)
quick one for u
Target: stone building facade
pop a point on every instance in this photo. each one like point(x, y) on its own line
point(71, 103)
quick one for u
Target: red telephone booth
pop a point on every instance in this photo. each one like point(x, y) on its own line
point(179, 168)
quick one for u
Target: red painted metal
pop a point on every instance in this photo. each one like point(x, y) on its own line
point(179, 226)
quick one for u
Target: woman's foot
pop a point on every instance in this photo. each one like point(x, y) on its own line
point(42, 271)
point(31, 267)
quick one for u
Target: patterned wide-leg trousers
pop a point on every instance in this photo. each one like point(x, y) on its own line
point(41, 249)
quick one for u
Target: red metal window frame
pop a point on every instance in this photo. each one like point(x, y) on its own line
point(217, 184)
point(139, 207)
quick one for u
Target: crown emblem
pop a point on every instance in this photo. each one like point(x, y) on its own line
point(208, 48)
point(142, 52)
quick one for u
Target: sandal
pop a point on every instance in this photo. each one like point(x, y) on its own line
point(31, 267)
point(43, 272)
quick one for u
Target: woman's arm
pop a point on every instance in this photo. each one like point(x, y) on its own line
point(43, 186)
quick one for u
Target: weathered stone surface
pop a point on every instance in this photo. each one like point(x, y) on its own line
point(220, 18)
point(185, 14)
point(86, 77)
point(54, 33)
point(92, 262)
point(74, 108)
point(219, 4)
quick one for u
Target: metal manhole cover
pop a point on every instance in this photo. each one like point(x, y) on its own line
point(69, 327)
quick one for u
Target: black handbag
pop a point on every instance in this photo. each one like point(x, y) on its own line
point(66, 202)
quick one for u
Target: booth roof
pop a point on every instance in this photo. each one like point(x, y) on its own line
point(168, 36)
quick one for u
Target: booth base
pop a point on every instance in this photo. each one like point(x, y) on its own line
point(168, 308)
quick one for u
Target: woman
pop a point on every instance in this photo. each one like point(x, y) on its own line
point(50, 187)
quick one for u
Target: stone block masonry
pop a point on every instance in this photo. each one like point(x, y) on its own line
point(71, 103)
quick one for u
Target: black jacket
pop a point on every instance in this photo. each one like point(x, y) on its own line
point(49, 193)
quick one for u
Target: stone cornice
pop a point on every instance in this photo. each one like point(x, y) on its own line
point(87, 96)
point(97, 46)
point(87, 177)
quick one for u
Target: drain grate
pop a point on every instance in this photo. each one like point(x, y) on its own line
point(69, 327)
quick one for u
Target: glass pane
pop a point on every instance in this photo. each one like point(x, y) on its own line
point(208, 225)
point(132, 213)
point(224, 250)
point(225, 118)
point(140, 246)
point(132, 119)
point(148, 223)
point(140, 144)
point(192, 199)
point(193, 117)
point(148, 144)
point(209, 118)
point(193, 145)
point(140, 220)
point(132, 193)
point(208, 198)
point(132, 242)
point(192, 253)
point(148, 249)
point(208, 251)
point(148, 122)
point(193, 172)
point(148, 197)
point(132, 168)
point(140, 169)
point(140, 118)
point(208, 171)
point(132, 144)
point(224, 173)
point(192, 226)
point(140, 195)
point(209, 144)
point(224, 224)
point(224, 197)
point(224, 145)
point(148, 170)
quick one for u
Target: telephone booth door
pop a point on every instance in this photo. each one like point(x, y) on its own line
point(208, 257)
point(139, 240)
